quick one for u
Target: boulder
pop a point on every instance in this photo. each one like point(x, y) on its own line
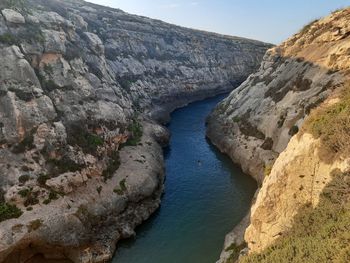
point(54, 41)
point(12, 16)
point(95, 43)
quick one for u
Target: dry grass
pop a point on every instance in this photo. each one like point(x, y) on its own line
point(318, 235)
point(321, 234)
point(331, 124)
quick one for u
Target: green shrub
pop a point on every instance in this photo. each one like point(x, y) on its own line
point(2, 195)
point(236, 119)
point(30, 196)
point(42, 178)
point(78, 134)
point(94, 140)
point(86, 215)
point(118, 191)
point(46, 201)
point(23, 178)
point(26, 144)
point(63, 165)
point(234, 252)
point(31, 199)
point(293, 130)
point(308, 26)
point(267, 144)
point(24, 192)
point(320, 234)
point(136, 131)
point(8, 211)
point(53, 195)
point(122, 185)
point(8, 39)
point(112, 166)
point(122, 188)
point(331, 124)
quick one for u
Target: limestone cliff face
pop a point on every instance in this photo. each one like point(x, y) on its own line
point(298, 177)
point(80, 154)
point(255, 124)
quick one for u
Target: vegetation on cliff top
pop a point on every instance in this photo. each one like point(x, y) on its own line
point(331, 124)
point(320, 234)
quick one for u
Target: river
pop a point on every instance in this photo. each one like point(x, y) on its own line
point(206, 195)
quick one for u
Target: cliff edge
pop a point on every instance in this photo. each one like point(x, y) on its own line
point(285, 125)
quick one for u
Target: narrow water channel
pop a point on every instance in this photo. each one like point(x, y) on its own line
point(205, 197)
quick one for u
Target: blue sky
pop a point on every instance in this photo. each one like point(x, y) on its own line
point(267, 20)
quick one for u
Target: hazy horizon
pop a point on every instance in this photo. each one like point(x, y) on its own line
point(267, 20)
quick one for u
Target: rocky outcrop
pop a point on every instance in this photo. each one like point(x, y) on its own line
point(81, 162)
point(298, 177)
point(12, 16)
point(255, 124)
point(84, 225)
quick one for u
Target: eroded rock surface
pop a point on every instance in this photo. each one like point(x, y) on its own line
point(79, 151)
point(255, 124)
point(12, 16)
point(298, 177)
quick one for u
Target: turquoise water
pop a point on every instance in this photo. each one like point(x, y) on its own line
point(205, 197)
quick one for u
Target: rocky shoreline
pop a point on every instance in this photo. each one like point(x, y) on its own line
point(99, 217)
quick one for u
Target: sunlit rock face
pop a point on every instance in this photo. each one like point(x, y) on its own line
point(255, 124)
point(80, 88)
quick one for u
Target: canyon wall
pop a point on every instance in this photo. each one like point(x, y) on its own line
point(81, 86)
point(261, 127)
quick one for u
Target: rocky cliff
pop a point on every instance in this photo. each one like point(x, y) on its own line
point(285, 125)
point(80, 87)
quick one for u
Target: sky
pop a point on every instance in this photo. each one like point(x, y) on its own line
point(267, 20)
